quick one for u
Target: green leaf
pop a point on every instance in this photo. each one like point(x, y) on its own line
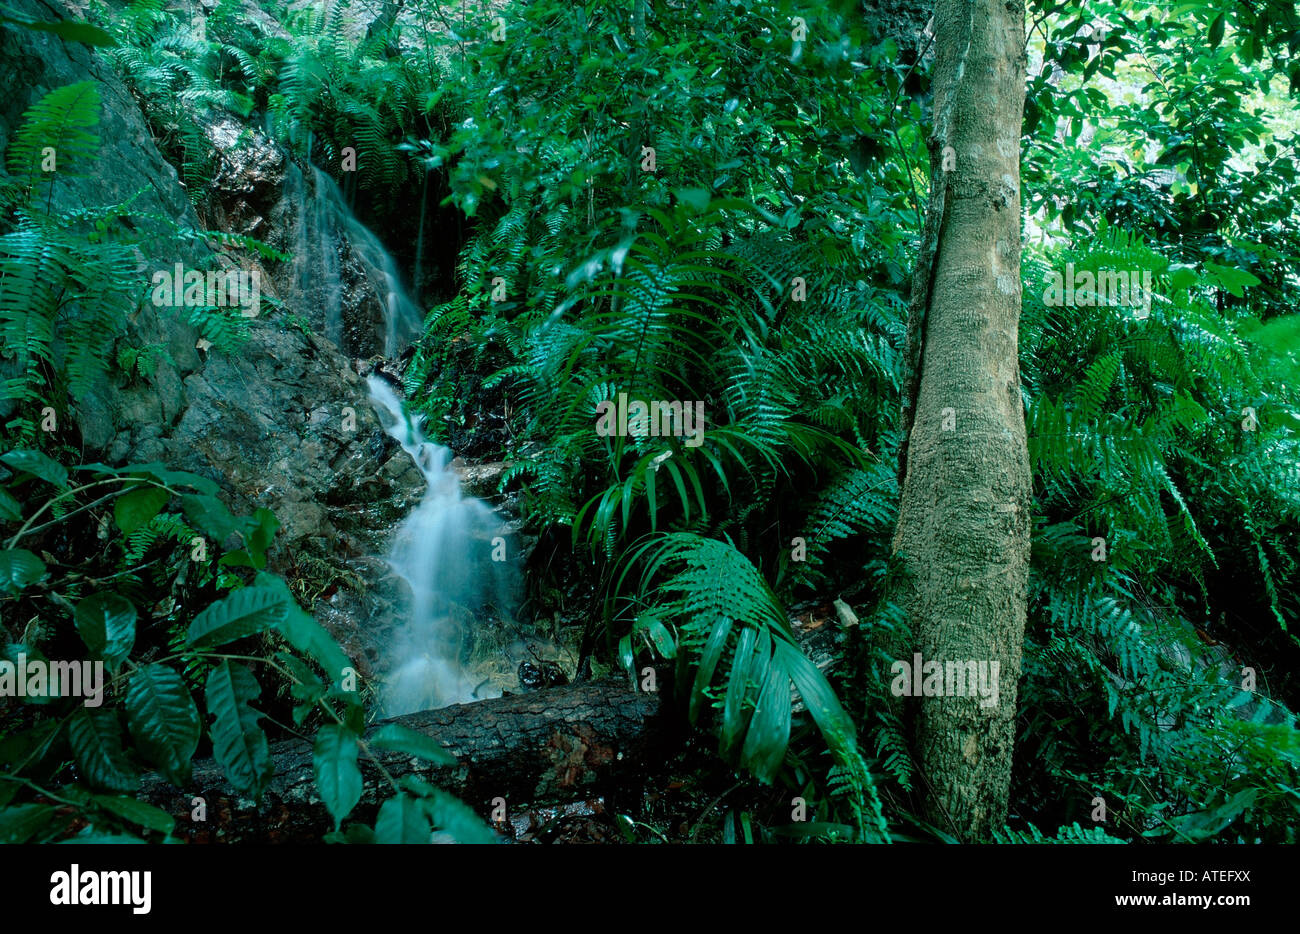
point(106, 623)
point(238, 743)
point(451, 815)
point(210, 516)
point(356, 834)
point(244, 612)
point(95, 837)
point(20, 823)
point(159, 472)
point(163, 719)
point(660, 637)
point(303, 632)
point(11, 652)
point(38, 465)
point(402, 819)
point(10, 509)
point(137, 812)
point(735, 718)
point(710, 655)
point(22, 746)
point(18, 569)
point(769, 728)
point(1216, 31)
point(96, 740)
point(138, 507)
point(262, 529)
point(1181, 276)
point(334, 762)
point(694, 198)
point(71, 30)
point(399, 738)
point(1233, 279)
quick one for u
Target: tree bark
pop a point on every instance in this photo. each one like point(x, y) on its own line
point(559, 744)
point(639, 9)
point(963, 530)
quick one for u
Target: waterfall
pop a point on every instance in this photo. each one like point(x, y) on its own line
point(323, 224)
point(443, 550)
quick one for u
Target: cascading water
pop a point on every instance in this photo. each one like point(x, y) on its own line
point(443, 551)
point(325, 222)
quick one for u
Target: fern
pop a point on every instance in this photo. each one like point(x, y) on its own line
point(1072, 833)
point(703, 602)
point(57, 127)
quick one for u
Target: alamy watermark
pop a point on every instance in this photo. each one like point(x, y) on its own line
point(102, 887)
point(946, 679)
point(36, 677)
point(655, 419)
point(216, 288)
point(1106, 288)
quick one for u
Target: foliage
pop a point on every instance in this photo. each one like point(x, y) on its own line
point(591, 276)
point(733, 278)
point(90, 755)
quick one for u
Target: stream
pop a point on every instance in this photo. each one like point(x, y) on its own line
point(455, 640)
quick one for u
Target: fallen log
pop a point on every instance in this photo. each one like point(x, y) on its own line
point(558, 744)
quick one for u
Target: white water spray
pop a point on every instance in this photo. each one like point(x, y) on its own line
point(324, 223)
point(443, 550)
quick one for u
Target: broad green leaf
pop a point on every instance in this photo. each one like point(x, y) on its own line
point(334, 762)
point(13, 652)
point(402, 819)
point(735, 716)
point(138, 507)
point(302, 631)
point(660, 637)
point(20, 823)
point(261, 532)
point(10, 509)
point(817, 694)
point(19, 568)
point(1234, 280)
point(695, 198)
point(38, 465)
point(96, 740)
point(27, 745)
point(137, 812)
point(71, 30)
point(93, 836)
point(163, 719)
point(244, 612)
point(238, 742)
point(1216, 31)
point(769, 728)
point(709, 657)
point(448, 813)
point(399, 738)
point(160, 472)
point(210, 516)
point(356, 834)
point(106, 623)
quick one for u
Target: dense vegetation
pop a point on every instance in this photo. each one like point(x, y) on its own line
point(708, 209)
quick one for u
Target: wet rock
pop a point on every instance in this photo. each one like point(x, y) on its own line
point(284, 422)
point(479, 479)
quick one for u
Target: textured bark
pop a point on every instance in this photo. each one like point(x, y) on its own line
point(553, 745)
point(963, 528)
point(639, 8)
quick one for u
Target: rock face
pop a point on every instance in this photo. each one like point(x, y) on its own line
point(284, 422)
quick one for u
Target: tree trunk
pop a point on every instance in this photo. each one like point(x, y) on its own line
point(963, 528)
point(639, 10)
point(560, 744)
